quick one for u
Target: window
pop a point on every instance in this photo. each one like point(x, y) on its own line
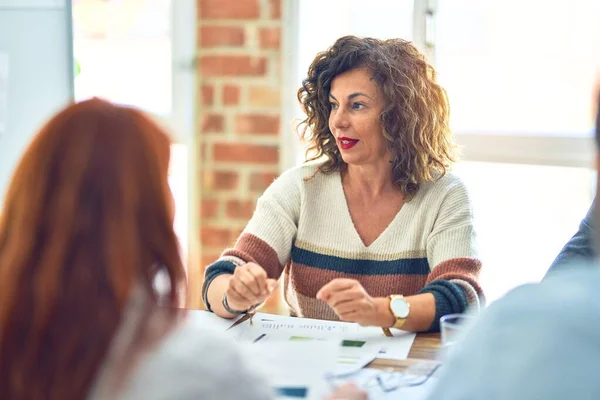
point(336, 18)
point(141, 53)
point(520, 77)
point(524, 214)
point(122, 51)
point(519, 67)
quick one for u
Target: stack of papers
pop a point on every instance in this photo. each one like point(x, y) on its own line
point(277, 327)
point(302, 357)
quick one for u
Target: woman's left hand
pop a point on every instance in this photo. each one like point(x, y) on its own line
point(351, 302)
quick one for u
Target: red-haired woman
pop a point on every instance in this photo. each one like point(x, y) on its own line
point(86, 225)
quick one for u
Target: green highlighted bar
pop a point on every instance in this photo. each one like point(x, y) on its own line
point(353, 343)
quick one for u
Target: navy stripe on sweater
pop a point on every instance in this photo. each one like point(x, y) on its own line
point(407, 266)
point(450, 298)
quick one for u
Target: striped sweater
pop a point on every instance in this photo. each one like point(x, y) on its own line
point(302, 228)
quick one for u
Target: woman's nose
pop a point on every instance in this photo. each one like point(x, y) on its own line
point(339, 119)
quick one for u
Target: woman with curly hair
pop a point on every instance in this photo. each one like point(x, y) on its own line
point(373, 229)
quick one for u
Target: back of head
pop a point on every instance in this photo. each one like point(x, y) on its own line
point(87, 216)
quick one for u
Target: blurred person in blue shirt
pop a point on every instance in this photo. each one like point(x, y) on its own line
point(541, 341)
point(579, 249)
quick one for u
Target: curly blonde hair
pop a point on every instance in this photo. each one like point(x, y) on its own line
point(415, 118)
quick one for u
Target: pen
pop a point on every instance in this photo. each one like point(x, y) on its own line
point(260, 337)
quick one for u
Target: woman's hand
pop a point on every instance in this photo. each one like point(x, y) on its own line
point(249, 286)
point(352, 303)
point(348, 391)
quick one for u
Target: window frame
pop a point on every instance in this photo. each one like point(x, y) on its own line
point(182, 124)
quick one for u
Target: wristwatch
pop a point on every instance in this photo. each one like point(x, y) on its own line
point(400, 309)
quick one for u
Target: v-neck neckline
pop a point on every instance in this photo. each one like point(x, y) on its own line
point(350, 220)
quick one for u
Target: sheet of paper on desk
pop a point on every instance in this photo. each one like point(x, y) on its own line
point(396, 348)
point(210, 319)
point(352, 355)
point(294, 369)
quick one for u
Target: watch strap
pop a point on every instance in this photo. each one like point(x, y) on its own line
point(399, 321)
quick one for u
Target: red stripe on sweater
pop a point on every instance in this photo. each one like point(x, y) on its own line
point(464, 268)
point(251, 248)
point(308, 280)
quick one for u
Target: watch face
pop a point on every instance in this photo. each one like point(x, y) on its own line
point(400, 308)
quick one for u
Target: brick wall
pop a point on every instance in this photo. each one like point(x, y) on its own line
point(239, 112)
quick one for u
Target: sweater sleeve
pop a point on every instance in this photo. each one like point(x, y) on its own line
point(451, 252)
point(268, 237)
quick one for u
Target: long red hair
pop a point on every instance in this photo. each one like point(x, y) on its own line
point(88, 215)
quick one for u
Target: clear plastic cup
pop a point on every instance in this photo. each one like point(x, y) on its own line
point(452, 327)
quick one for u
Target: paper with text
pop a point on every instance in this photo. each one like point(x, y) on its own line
point(277, 326)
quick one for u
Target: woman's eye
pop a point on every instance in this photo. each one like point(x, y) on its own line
point(357, 106)
point(333, 106)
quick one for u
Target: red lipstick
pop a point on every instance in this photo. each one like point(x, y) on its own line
point(346, 143)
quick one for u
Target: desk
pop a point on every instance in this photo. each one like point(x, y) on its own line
point(423, 351)
point(425, 346)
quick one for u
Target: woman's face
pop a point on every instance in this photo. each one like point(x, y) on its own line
point(354, 120)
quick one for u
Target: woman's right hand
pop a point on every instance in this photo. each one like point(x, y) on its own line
point(249, 286)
